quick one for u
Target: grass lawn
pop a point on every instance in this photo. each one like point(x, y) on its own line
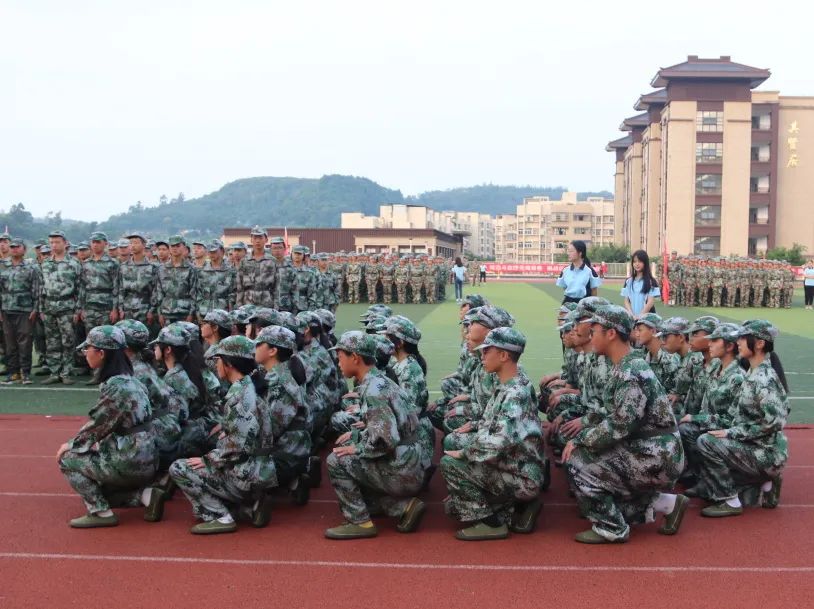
point(533, 305)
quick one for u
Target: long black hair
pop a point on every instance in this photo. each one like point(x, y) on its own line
point(648, 281)
point(249, 367)
point(458, 261)
point(582, 250)
point(193, 364)
point(768, 349)
point(317, 334)
point(116, 362)
point(410, 349)
point(295, 365)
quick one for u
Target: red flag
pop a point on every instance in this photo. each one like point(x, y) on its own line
point(285, 239)
point(665, 282)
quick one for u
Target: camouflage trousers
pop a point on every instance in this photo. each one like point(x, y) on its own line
point(717, 296)
point(774, 298)
point(689, 296)
point(59, 342)
point(93, 317)
point(477, 490)
point(210, 491)
point(167, 438)
point(430, 289)
point(426, 440)
point(342, 421)
point(353, 290)
point(690, 432)
point(195, 440)
point(368, 487)
point(100, 478)
point(387, 291)
point(788, 295)
point(617, 487)
point(458, 441)
point(415, 286)
point(728, 467)
point(18, 338)
point(401, 292)
point(38, 332)
point(744, 293)
point(371, 290)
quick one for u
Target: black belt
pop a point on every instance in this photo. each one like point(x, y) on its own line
point(653, 433)
point(570, 299)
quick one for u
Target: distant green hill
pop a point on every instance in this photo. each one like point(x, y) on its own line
point(272, 201)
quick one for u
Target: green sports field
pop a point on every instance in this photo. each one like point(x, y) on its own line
point(533, 305)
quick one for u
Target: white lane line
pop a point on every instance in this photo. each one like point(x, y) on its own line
point(334, 564)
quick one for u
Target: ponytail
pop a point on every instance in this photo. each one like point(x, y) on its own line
point(248, 367)
point(295, 365)
point(778, 369)
point(412, 349)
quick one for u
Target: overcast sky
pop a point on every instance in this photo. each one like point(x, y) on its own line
point(107, 103)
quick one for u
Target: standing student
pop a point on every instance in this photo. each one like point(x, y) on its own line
point(459, 274)
point(579, 279)
point(641, 289)
point(808, 283)
point(483, 272)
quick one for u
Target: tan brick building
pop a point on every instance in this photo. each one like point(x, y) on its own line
point(542, 228)
point(711, 166)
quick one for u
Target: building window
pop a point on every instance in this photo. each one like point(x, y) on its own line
point(709, 121)
point(582, 231)
point(708, 215)
point(709, 153)
point(708, 184)
point(708, 246)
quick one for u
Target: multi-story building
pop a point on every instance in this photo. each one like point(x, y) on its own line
point(542, 229)
point(711, 166)
point(477, 230)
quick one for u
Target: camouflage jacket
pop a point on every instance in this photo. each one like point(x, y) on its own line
point(689, 367)
point(176, 289)
point(389, 422)
point(122, 405)
point(761, 415)
point(636, 409)
point(413, 383)
point(699, 386)
point(162, 397)
point(256, 282)
point(291, 420)
point(191, 402)
point(665, 367)
point(372, 272)
point(216, 288)
point(417, 272)
point(329, 289)
point(720, 398)
point(60, 285)
point(509, 437)
point(286, 285)
point(402, 274)
point(324, 385)
point(355, 271)
point(305, 289)
point(20, 286)
point(137, 281)
point(99, 284)
point(596, 369)
point(387, 272)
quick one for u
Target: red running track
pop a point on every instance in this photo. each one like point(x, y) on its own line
point(761, 559)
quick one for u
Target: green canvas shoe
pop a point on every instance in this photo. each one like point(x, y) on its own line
point(592, 537)
point(154, 512)
point(52, 380)
point(411, 519)
point(525, 520)
point(351, 531)
point(772, 498)
point(213, 527)
point(672, 521)
point(92, 521)
point(721, 510)
point(482, 532)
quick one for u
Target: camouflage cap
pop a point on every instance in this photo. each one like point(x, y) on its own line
point(491, 316)
point(328, 319)
point(105, 337)
point(674, 325)
point(176, 240)
point(40, 243)
point(215, 245)
point(236, 346)
point(241, 316)
point(266, 316)
point(16, 242)
point(113, 246)
point(287, 320)
point(219, 317)
point(707, 324)
point(299, 249)
point(124, 243)
point(136, 235)
point(72, 250)
point(759, 328)
point(4, 236)
point(57, 233)
point(173, 335)
point(357, 342)
point(83, 245)
point(150, 243)
point(45, 249)
point(588, 306)
point(193, 329)
point(309, 318)
point(238, 245)
point(568, 322)
point(258, 232)
point(651, 320)
point(199, 241)
point(375, 323)
point(376, 309)
point(98, 236)
point(613, 317)
point(136, 333)
point(160, 241)
point(403, 328)
point(474, 300)
point(277, 336)
point(384, 348)
point(506, 339)
point(567, 307)
point(277, 241)
point(727, 331)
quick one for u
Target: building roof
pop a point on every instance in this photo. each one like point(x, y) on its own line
point(723, 68)
point(622, 142)
point(640, 120)
point(659, 96)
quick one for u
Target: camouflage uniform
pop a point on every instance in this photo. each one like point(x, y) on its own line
point(401, 276)
point(744, 284)
point(328, 290)
point(372, 279)
point(665, 367)
point(20, 286)
point(431, 282)
point(354, 276)
point(256, 281)
point(216, 288)
point(755, 448)
point(417, 272)
point(689, 279)
point(240, 467)
point(323, 391)
point(176, 291)
point(788, 285)
point(98, 291)
point(387, 271)
point(305, 288)
point(116, 447)
point(718, 277)
point(60, 291)
point(137, 281)
point(503, 463)
point(386, 469)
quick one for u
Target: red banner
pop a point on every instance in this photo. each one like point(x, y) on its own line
point(525, 268)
